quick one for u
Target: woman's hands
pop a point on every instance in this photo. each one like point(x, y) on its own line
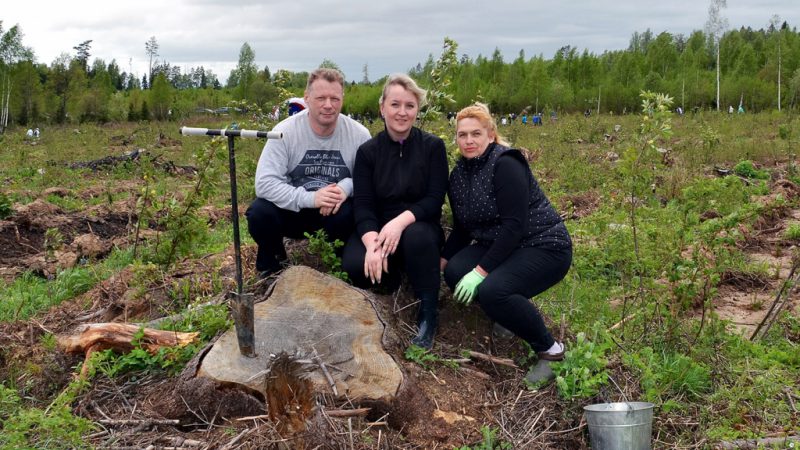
point(380, 245)
point(389, 237)
point(374, 262)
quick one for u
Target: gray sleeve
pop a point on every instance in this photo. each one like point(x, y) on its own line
point(272, 182)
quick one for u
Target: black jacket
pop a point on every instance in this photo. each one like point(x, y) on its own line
point(390, 177)
point(496, 201)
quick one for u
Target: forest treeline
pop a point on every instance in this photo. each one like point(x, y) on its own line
point(759, 69)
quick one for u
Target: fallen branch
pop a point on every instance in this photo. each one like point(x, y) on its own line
point(757, 443)
point(179, 441)
point(621, 322)
point(492, 359)
point(347, 412)
point(121, 337)
point(260, 416)
point(477, 373)
point(147, 422)
point(325, 372)
point(779, 302)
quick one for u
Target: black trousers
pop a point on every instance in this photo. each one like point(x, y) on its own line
point(269, 224)
point(504, 294)
point(417, 254)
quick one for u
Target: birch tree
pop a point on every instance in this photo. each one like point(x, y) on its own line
point(151, 48)
point(775, 24)
point(11, 51)
point(715, 27)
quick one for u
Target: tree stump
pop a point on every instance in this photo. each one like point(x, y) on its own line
point(324, 322)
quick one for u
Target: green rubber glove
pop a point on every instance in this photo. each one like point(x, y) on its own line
point(467, 288)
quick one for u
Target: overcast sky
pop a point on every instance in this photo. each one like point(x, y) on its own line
point(387, 36)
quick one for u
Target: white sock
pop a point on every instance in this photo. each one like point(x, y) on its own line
point(555, 349)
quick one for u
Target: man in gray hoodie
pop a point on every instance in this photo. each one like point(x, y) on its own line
point(304, 181)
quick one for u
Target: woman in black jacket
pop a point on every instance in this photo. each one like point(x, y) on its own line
point(399, 184)
point(508, 244)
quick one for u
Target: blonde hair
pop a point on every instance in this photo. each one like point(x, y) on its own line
point(327, 74)
point(480, 112)
point(407, 83)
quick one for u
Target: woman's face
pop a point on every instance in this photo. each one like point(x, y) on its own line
point(472, 137)
point(399, 109)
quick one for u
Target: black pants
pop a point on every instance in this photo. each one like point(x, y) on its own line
point(268, 225)
point(417, 254)
point(504, 294)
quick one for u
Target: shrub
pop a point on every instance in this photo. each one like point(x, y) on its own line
point(5, 206)
point(583, 370)
point(746, 169)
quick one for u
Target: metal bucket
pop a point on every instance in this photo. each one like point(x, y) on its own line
point(620, 426)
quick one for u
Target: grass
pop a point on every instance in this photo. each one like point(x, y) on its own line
point(688, 224)
point(29, 295)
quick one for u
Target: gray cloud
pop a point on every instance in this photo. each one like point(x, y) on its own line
point(389, 37)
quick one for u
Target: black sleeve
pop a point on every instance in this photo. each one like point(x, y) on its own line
point(429, 207)
point(364, 192)
point(459, 238)
point(510, 180)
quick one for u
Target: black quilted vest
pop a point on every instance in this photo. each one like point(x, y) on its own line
point(475, 206)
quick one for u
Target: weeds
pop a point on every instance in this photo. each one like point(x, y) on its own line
point(426, 358)
point(29, 294)
point(319, 245)
point(53, 240)
point(667, 379)
point(792, 232)
point(54, 427)
point(583, 371)
point(747, 169)
point(490, 441)
point(5, 206)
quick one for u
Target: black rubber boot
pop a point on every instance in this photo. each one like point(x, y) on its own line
point(427, 322)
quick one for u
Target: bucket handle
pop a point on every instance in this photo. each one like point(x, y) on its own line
point(624, 397)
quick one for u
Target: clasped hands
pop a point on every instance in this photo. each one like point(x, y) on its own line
point(379, 246)
point(329, 199)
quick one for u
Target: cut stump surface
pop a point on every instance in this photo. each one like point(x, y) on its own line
point(311, 312)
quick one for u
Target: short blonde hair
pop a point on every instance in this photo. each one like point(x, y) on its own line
point(481, 113)
point(407, 83)
point(327, 74)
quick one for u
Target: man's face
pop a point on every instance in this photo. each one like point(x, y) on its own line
point(324, 100)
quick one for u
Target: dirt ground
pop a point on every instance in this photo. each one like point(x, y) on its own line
point(442, 407)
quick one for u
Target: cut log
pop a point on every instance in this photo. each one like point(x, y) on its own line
point(93, 337)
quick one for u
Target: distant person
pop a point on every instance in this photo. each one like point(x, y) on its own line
point(36, 132)
point(296, 104)
point(587, 113)
point(524, 119)
point(29, 133)
point(400, 181)
point(679, 110)
point(537, 119)
point(741, 109)
point(730, 109)
point(504, 121)
point(304, 181)
point(508, 243)
point(553, 116)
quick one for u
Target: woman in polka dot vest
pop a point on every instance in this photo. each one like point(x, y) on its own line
point(508, 243)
